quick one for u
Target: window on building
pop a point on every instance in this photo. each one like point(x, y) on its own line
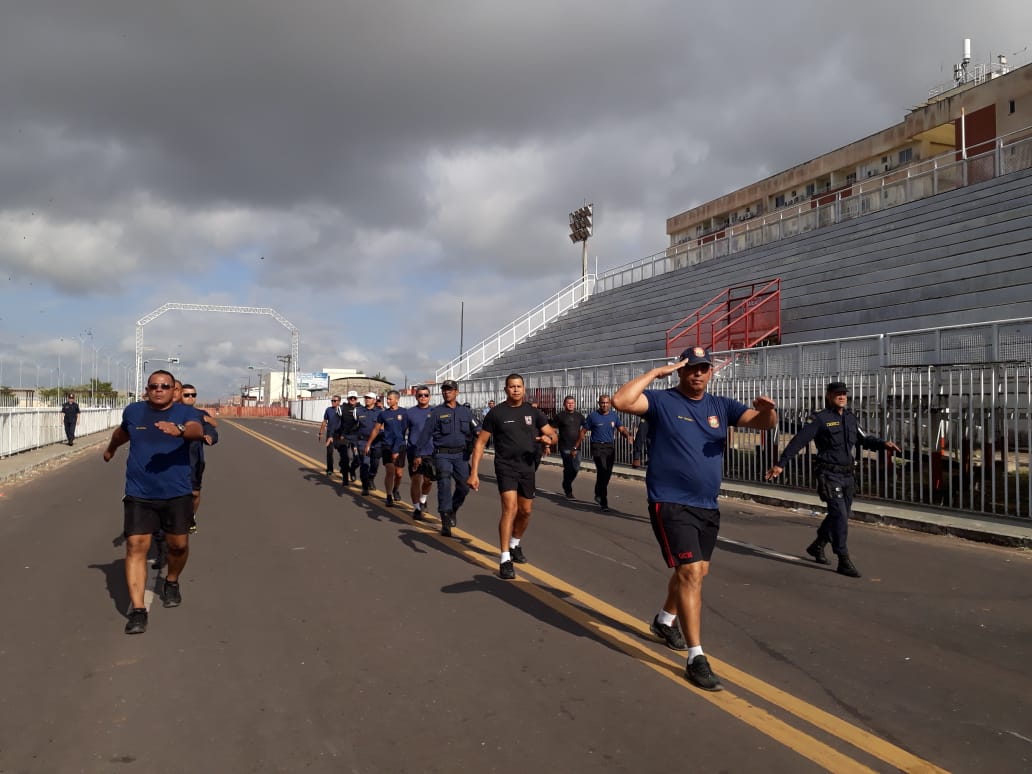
point(851, 178)
point(779, 200)
point(906, 155)
point(1011, 106)
point(811, 189)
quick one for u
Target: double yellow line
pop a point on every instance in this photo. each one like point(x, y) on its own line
point(628, 634)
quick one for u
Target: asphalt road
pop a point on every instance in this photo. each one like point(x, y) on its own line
point(321, 631)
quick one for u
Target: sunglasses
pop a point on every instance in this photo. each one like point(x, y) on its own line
point(334, 400)
point(422, 394)
point(189, 394)
point(159, 386)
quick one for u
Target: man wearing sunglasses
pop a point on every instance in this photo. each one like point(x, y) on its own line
point(687, 435)
point(451, 429)
point(158, 488)
point(211, 437)
point(421, 474)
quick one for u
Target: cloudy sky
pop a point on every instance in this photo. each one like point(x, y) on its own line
point(366, 168)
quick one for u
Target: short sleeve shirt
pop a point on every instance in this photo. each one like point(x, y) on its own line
point(603, 427)
point(158, 467)
point(393, 423)
point(686, 446)
point(514, 430)
point(568, 423)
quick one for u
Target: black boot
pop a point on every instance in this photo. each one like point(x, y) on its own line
point(846, 567)
point(446, 524)
point(816, 550)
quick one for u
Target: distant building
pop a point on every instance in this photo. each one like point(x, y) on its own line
point(983, 103)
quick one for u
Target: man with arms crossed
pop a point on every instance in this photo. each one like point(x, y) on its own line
point(518, 430)
point(687, 435)
point(158, 489)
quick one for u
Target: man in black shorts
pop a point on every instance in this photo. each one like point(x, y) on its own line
point(518, 431)
point(688, 429)
point(158, 489)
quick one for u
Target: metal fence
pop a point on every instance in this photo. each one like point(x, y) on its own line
point(23, 429)
point(965, 430)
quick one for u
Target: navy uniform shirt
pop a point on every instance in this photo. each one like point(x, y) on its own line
point(366, 418)
point(603, 427)
point(392, 422)
point(447, 427)
point(332, 417)
point(836, 437)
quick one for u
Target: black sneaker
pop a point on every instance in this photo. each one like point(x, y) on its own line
point(417, 512)
point(365, 491)
point(568, 493)
point(137, 623)
point(506, 571)
point(446, 524)
point(329, 473)
point(390, 501)
point(670, 635)
point(517, 555)
point(603, 506)
point(170, 596)
point(397, 494)
point(700, 675)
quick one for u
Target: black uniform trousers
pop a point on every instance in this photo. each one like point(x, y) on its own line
point(604, 457)
point(836, 490)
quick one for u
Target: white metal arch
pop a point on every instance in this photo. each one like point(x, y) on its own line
point(295, 334)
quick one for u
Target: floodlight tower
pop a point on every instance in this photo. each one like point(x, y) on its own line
point(580, 229)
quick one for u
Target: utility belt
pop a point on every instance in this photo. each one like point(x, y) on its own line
point(449, 449)
point(601, 443)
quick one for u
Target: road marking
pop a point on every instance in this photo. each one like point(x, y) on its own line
point(607, 558)
point(630, 633)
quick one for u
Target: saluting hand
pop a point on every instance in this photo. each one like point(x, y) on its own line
point(763, 403)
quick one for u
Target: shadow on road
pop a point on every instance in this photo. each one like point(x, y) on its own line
point(804, 562)
point(114, 577)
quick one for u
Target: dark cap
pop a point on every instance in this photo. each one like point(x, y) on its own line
point(696, 355)
point(449, 384)
point(837, 387)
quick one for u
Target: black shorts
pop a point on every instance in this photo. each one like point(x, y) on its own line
point(399, 463)
point(144, 517)
point(685, 534)
point(518, 477)
point(385, 454)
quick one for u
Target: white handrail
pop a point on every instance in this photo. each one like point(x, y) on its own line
point(518, 330)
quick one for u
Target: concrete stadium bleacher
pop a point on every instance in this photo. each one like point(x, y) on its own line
point(959, 257)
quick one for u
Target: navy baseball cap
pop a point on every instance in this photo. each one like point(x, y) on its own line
point(696, 355)
point(449, 384)
point(837, 387)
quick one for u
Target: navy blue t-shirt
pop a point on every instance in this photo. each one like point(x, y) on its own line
point(603, 427)
point(393, 423)
point(158, 467)
point(686, 446)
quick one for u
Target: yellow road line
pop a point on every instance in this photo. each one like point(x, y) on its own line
point(630, 636)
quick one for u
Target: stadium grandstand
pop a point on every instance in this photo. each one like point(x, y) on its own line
point(911, 282)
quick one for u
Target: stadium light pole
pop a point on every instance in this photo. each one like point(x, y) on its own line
point(581, 221)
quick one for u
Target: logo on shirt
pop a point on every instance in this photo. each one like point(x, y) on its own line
point(528, 420)
point(713, 421)
point(399, 417)
point(833, 424)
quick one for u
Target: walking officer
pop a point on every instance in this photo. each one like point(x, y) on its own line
point(451, 428)
point(366, 417)
point(331, 425)
point(836, 433)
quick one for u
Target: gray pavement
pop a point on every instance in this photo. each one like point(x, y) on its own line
point(1013, 533)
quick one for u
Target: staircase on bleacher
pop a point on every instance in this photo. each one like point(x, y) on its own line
point(738, 317)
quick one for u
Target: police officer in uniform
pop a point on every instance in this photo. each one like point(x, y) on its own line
point(349, 432)
point(331, 425)
point(836, 433)
point(451, 428)
point(370, 461)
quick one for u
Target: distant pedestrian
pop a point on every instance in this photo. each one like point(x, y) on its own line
point(837, 434)
point(519, 430)
point(640, 448)
point(687, 434)
point(158, 488)
point(568, 423)
point(71, 412)
point(603, 425)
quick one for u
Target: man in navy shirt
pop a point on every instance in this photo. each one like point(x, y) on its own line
point(366, 416)
point(391, 423)
point(158, 487)
point(451, 429)
point(603, 425)
point(419, 475)
point(332, 424)
point(197, 463)
point(71, 410)
point(687, 435)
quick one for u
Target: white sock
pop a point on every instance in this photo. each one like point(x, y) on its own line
point(695, 650)
point(513, 542)
point(422, 499)
point(665, 618)
point(506, 557)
